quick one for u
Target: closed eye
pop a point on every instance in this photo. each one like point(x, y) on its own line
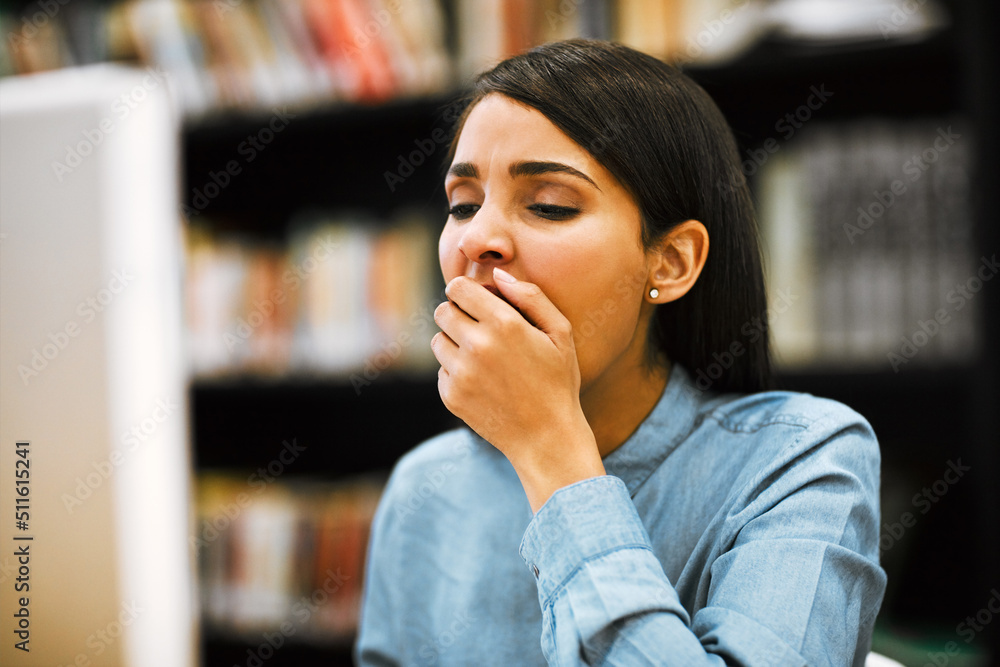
point(554, 212)
point(462, 211)
point(547, 211)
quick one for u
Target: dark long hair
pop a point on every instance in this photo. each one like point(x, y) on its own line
point(667, 143)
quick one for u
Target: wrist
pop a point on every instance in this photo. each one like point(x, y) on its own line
point(557, 459)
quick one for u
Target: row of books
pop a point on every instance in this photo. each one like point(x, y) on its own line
point(868, 232)
point(246, 53)
point(344, 293)
point(283, 555)
point(261, 53)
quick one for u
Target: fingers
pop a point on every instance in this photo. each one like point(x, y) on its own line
point(533, 304)
point(454, 322)
point(476, 300)
point(445, 350)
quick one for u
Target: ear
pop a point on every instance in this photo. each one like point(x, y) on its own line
point(677, 261)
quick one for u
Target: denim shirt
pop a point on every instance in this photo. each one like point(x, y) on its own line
point(736, 529)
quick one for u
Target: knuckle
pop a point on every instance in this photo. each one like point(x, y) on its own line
point(473, 345)
point(508, 323)
point(479, 345)
point(456, 285)
point(503, 319)
point(532, 290)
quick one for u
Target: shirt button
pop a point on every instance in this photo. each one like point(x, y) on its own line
point(534, 568)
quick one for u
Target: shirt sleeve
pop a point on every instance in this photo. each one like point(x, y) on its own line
point(795, 585)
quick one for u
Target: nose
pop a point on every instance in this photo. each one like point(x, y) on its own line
point(486, 237)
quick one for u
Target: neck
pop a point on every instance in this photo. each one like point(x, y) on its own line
point(617, 402)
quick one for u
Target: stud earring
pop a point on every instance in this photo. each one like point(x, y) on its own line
point(653, 293)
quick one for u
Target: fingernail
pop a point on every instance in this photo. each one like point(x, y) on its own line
point(500, 274)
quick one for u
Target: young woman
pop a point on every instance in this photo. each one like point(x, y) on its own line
point(628, 491)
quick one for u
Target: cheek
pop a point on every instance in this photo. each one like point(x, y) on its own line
point(448, 253)
point(596, 292)
point(603, 330)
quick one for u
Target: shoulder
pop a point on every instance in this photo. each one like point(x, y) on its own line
point(753, 412)
point(784, 430)
point(450, 466)
point(447, 447)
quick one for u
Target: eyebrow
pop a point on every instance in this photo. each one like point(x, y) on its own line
point(522, 168)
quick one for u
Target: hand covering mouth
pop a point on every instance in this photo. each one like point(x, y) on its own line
point(495, 290)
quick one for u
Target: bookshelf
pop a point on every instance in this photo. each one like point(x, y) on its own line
point(322, 150)
point(334, 159)
point(925, 414)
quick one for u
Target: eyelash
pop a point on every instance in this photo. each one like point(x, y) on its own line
point(547, 211)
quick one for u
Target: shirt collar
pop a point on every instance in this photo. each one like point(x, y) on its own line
point(670, 421)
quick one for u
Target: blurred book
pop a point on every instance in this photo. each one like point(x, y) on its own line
point(346, 292)
point(255, 54)
point(286, 556)
point(246, 54)
point(867, 228)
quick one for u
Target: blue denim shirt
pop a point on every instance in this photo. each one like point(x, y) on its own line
point(729, 529)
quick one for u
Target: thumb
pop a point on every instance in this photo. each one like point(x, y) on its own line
point(532, 303)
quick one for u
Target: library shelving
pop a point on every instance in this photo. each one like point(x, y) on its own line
point(943, 567)
point(354, 422)
point(926, 415)
point(258, 160)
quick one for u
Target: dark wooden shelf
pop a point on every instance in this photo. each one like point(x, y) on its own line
point(241, 424)
point(895, 80)
point(916, 411)
point(219, 651)
point(331, 157)
point(335, 157)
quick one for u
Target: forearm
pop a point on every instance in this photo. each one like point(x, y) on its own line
point(542, 472)
point(604, 595)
